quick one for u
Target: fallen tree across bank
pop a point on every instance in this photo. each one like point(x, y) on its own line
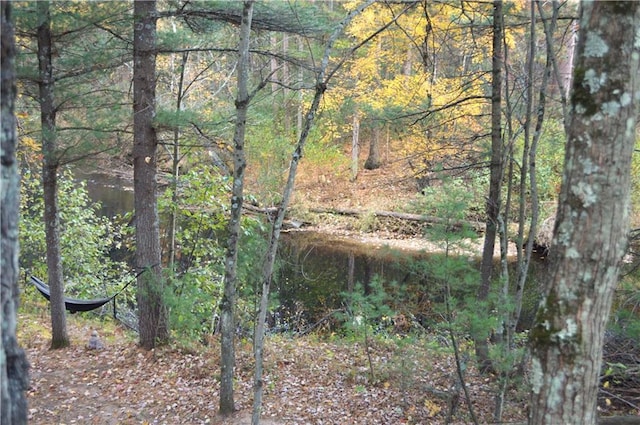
point(606, 420)
point(428, 219)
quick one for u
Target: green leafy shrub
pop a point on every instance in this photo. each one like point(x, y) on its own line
point(201, 205)
point(86, 239)
point(192, 300)
point(197, 277)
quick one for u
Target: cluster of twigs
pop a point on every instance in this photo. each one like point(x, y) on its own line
point(621, 373)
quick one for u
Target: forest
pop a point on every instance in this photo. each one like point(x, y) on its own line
point(299, 211)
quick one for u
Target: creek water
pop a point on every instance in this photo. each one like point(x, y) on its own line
point(114, 194)
point(317, 269)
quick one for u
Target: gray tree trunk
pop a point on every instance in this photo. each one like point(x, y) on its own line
point(55, 278)
point(14, 368)
point(495, 182)
point(227, 307)
point(153, 326)
point(322, 78)
point(562, 77)
point(355, 146)
point(591, 229)
point(175, 167)
point(288, 113)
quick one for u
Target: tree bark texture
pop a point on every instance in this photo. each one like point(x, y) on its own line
point(373, 161)
point(355, 146)
point(322, 78)
point(591, 228)
point(227, 307)
point(55, 277)
point(495, 181)
point(14, 368)
point(153, 325)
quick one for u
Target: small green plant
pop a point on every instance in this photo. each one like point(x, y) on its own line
point(368, 222)
point(463, 196)
point(366, 307)
point(456, 275)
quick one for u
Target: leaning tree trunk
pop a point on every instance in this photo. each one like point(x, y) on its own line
point(14, 369)
point(59, 337)
point(562, 77)
point(591, 229)
point(495, 184)
point(153, 324)
point(322, 79)
point(524, 262)
point(227, 306)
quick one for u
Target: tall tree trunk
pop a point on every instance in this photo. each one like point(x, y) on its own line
point(300, 104)
point(153, 326)
point(288, 113)
point(562, 76)
point(524, 250)
point(175, 168)
point(495, 183)
point(14, 368)
point(355, 146)
point(524, 259)
point(567, 72)
point(591, 230)
point(227, 307)
point(322, 78)
point(59, 337)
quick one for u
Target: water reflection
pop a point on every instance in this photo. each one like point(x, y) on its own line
point(113, 193)
point(316, 269)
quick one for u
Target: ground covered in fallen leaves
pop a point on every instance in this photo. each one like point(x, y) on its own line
point(315, 379)
point(308, 380)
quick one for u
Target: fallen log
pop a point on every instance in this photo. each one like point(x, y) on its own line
point(477, 226)
point(270, 213)
point(260, 210)
point(603, 420)
point(619, 420)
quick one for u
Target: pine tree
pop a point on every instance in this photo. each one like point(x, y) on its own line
point(67, 68)
point(153, 325)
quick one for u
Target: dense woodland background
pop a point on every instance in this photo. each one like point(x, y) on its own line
point(233, 119)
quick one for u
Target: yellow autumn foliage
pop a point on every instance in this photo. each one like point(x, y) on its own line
point(431, 64)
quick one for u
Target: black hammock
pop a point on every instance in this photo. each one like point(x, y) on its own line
point(75, 305)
